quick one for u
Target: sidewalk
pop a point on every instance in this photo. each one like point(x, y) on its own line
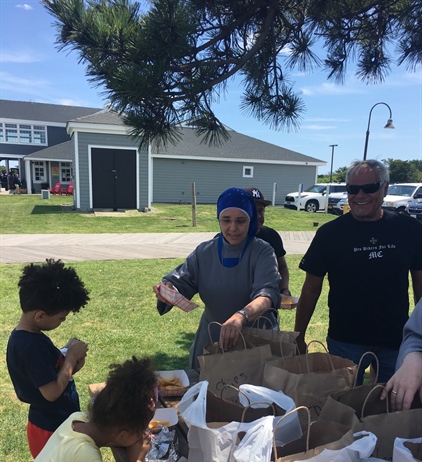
point(26, 248)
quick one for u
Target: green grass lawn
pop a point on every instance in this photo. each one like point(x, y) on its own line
point(121, 318)
point(119, 321)
point(29, 214)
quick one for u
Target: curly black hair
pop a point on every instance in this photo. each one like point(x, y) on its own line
point(128, 399)
point(52, 288)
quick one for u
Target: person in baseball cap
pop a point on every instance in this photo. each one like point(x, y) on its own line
point(271, 236)
point(257, 196)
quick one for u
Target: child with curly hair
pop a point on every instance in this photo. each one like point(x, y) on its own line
point(40, 372)
point(118, 417)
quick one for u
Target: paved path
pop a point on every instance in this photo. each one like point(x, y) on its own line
point(25, 248)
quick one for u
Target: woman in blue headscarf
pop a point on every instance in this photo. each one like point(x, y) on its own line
point(235, 274)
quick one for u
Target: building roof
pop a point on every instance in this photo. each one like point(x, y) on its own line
point(61, 152)
point(103, 116)
point(56, 113)
point(238, 146)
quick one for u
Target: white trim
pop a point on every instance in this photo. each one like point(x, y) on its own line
point(77, 188)
point(137, 179)
point(45, 159)
point(150, 177)
point(32, 122)
point(95, 128)
point(6, 156)
point(28, 175)
point(47, 177)
point(244, 161)
point(102, 146)
point(250, 167)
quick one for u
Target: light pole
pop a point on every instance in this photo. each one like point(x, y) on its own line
point(332, 146)
point(389, 125)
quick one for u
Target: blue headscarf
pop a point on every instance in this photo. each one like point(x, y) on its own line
point(240, 199)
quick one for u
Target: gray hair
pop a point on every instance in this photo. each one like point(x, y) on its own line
point(379, 167)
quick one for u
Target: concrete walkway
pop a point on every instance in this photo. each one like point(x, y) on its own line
point(26, 248)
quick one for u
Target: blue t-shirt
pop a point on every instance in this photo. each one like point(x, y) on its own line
point(34, 361)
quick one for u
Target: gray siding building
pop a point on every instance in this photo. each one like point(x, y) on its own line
point(110, 172)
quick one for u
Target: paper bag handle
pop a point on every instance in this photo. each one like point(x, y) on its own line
point(294, 341)
point(297, 409)
point(325, 348)
point(360, 363)
point(250, 406)
point(219, 324)
point(264, 317)
point(236, 389)
point(387, 407)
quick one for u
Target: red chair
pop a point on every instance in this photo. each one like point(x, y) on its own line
point(67, 191)
point(55, 190)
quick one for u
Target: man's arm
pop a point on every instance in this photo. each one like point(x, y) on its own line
point(416, 284)
point(311, 291)
point(284, 273)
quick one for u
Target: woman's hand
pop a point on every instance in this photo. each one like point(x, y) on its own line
point(230, 331)
point(156, 289)
point(405, 383)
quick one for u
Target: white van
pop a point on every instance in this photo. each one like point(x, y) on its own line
point(399, 195)
point(314, 198)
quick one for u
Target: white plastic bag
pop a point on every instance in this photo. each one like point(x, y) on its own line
point(290, 428)
point(401, 453)
point(256, 445)
point(219, 443)
point(358, 451)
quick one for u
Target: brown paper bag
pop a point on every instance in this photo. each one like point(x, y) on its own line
point(315, 438)
point(235, 367)
point(222, 410)
point(309, 379)
point(345, 406)
point(282, 343)
point(389, 425)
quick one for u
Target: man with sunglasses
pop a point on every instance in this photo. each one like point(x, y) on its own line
point(367, 255)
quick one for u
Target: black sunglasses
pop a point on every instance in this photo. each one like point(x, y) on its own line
point(366, 188)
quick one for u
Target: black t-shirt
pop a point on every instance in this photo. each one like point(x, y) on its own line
point(34, 361)
point(271, 236)
point(368, 267)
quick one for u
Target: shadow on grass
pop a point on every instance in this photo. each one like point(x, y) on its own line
point(46, 209)
point(168, 362)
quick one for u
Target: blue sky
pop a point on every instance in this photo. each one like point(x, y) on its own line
point(31, 69)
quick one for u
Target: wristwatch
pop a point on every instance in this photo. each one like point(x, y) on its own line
point(243, 313)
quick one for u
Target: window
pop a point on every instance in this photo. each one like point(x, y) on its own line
point(38, 171)
point(11, 133)
point(247, 172)
point(66, 172)
point(23, 133)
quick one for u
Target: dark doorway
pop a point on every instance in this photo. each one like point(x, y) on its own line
point(113, 178)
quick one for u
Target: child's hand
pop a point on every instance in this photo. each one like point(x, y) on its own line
point(70, 341)
point(77, 351)
point(80, 363)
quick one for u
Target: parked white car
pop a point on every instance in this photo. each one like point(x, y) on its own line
point(336, 203)
point(399, 195)
point(314, 198)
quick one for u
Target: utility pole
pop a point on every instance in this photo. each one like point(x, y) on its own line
point(332, 146)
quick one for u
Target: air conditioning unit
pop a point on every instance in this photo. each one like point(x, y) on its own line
point(45, 194)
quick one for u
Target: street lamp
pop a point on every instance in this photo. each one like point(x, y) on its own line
point(389, 125)
point(332, 157)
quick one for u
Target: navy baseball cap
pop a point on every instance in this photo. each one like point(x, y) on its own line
point(257, 196)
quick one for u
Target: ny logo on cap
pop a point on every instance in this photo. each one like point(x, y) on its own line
point(256, 194)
